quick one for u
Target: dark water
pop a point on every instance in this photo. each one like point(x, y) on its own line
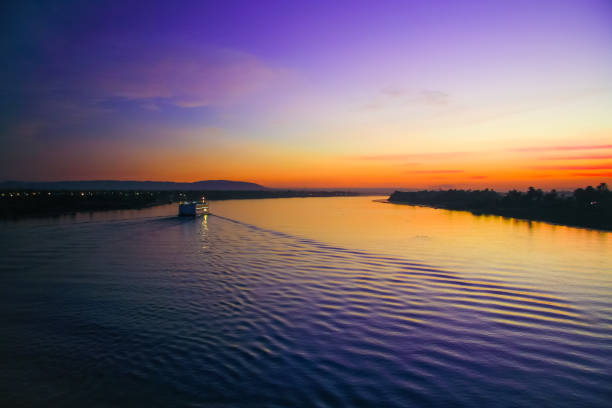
point(143, 308)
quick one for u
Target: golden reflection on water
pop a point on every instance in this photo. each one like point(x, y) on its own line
point(535, 252)
point(390, 296)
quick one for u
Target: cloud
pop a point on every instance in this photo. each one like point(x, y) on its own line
point(604, 166)
point(172, 73)
point(371, 106)
point(435, 171)
point(412, 156)
point(393, 91)
point(393, 95)
point(601, 174)
point(583, 157)
point(560, 148)
point(545, 101)
point(152, 106)
point(190, 78)
point(430, 97)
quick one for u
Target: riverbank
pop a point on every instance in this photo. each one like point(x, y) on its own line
point(27, 203)
point(587, 208)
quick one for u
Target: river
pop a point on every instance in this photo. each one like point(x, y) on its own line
point(337, 301)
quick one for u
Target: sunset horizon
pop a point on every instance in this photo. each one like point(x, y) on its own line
point(420, 96)
point(284, 203)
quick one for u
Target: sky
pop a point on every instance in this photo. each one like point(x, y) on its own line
point(413, 94)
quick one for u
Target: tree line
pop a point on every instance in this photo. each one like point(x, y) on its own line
point(587, 207)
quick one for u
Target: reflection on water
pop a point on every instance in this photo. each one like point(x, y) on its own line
point(494, 245)
point(301, 302)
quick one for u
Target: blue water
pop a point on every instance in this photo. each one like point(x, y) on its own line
point(142, 308)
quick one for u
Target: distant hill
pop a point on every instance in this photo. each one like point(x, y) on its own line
point(205, 185)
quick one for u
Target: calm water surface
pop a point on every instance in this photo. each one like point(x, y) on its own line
point(304, 302)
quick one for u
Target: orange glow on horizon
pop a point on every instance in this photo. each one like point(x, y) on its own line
point(501, 168)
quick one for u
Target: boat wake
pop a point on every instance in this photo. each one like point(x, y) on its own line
point(184, 311)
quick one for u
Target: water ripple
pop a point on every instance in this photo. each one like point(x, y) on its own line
point(217, 312)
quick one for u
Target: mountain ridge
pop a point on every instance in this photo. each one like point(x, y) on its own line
point(216, 185)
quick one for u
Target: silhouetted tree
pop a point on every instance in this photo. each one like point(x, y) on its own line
point(586, 207)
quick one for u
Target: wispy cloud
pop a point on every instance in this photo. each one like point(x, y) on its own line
point(561, 148)
point(581, 157)
point(432, 97)
point(544, 101)
point(175, 74)
point(604, 166)
point(435, 171)
point(371, 106)
point(204, 78)
point(600, 174)
point(394, 96)
point(150, 106)
point(412, 156)
point(393, 91)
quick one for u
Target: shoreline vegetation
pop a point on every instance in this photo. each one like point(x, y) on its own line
point(36, 203)
point(589, 207)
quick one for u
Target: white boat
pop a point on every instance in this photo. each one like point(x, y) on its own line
point(193, 208)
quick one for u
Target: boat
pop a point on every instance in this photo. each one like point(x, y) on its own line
point(193, 208)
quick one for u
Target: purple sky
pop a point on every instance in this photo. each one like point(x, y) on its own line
point(279, 88)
